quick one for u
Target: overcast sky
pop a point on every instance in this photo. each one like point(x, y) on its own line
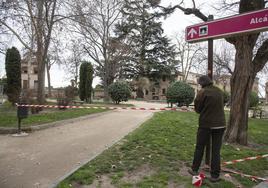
point(174, 24)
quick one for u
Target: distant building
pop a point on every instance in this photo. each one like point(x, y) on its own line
point(157, 89)
point(223, 82)
point(29, 72)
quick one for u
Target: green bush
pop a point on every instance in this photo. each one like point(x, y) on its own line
point(253, 99)
point(119, 91)
point(226, 96)
point(62, 103)
point(7, 105)
point(70, 92)
point(180, 93)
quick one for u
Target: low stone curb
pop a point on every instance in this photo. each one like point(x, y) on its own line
point(4, 130)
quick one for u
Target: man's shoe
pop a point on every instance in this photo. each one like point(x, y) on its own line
point(193, 173)
point(214, 180)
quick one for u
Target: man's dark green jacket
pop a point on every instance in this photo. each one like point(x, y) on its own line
point(209, 104)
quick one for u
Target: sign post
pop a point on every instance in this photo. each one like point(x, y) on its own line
point(210, 53)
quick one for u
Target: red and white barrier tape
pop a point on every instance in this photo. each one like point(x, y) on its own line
point(245, 159)
point(102, 107)
point(253, 178)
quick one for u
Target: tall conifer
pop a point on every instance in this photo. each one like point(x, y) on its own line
point(85, 83)
point(151, 54)
point(13, 72)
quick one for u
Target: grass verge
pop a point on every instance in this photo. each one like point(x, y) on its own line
point(8, 116)
point(158, 153)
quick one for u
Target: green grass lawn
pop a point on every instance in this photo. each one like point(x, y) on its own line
point(158, 153)
point(8, 117)
point(8, 114)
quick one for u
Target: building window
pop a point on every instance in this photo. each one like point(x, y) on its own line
point(25, 84)
point(146, 92)
point(163, 91)
point(24, 70)
point(35, 84)
point(35, 70)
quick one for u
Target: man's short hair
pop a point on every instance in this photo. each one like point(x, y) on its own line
point(204, 81)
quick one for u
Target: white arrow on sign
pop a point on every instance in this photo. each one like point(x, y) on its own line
point(192, 32)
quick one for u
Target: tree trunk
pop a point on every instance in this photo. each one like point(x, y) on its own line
point(241, 84)
point(40, 53)
point(106, 93)
point(48, 79)
point(41, 80)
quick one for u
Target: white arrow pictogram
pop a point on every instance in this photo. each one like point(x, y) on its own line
point(192, 32)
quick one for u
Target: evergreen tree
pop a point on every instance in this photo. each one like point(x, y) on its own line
point(151, 54)
point(85, 84)
point(13, 72)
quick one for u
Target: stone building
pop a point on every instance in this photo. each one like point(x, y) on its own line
point(223, 82)
point(29, 72)
point(157, 90)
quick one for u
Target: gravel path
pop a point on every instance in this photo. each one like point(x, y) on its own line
point(44, 157)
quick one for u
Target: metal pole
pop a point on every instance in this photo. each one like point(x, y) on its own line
point(19, 125)
point(210, 53)
point(210, 74)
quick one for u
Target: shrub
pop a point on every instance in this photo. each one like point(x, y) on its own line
point(7, 105)
point(35, 110)
point(253, 99)
point(119, 91)
point(226, 96)
point(180, 93)
point(70, 92)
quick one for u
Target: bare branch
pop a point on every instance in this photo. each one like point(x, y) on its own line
point(16, 34)
point(261, 57)
point(169, 10)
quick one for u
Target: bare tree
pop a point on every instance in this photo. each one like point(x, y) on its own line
point(95, 22)
point(247, 65)
point(190, 56)
point(73, 62)
point(32, 23)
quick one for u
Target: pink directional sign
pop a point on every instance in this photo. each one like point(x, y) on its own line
point(226, 27)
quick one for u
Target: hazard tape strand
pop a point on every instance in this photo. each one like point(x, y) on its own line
point(242, 160)
point(245, 159)
point(101, 107)
point(245, 175)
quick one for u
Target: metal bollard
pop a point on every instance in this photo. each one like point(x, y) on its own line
point(22, 112)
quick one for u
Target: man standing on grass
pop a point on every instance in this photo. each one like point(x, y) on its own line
point(209, 104)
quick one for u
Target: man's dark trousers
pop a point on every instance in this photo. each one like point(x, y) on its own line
point(203, 136)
